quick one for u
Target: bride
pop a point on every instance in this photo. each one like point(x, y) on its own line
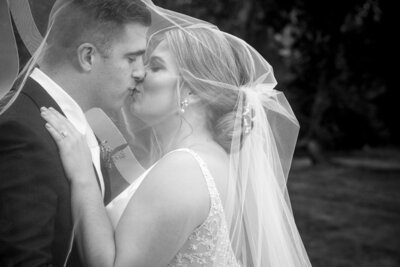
point(217, 194)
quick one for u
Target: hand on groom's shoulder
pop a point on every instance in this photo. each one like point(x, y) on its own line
point(35, 222)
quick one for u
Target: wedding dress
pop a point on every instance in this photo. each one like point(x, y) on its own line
point(208, 242)
point(257, 209)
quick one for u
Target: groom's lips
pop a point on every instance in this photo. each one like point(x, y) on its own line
point(134, 92)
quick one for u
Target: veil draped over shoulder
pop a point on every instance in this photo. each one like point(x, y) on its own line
point(257, 208)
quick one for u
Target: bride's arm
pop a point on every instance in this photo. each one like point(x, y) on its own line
point(94, 232)
point(93, 229)
point(171, 202)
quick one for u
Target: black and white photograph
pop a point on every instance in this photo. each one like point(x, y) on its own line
point(218, 133)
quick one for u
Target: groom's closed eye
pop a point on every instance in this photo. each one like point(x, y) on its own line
point(132, 57)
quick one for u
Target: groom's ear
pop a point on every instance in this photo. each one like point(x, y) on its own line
point(85, 53)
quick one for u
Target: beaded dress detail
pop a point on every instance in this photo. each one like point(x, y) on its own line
point(209, 244)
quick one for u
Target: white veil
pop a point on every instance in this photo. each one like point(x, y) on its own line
point(257, 208)
point(127, 168)
point(13, 80)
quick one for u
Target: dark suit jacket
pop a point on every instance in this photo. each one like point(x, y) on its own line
point(35, 202)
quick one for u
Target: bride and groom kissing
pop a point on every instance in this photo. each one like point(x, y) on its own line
point(213, 196)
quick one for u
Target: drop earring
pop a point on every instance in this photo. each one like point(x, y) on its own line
point(184, 105)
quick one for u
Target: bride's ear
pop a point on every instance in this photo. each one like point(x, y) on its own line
point(85, 53)
point(192, 98)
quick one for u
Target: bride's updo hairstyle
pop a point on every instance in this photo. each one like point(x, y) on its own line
point(208, 62)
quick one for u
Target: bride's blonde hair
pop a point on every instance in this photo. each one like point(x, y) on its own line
point(208, 62)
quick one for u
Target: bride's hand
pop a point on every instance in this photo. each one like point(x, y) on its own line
point(74, 151)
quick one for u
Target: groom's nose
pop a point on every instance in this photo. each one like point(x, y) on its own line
point(139, 73)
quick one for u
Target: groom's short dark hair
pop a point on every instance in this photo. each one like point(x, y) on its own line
point(93, 21)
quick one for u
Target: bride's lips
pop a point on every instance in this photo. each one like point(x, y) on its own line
point(134, 92)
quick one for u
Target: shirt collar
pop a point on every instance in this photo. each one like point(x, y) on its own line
point(68, 105)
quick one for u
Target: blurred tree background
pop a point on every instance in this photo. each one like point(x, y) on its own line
point(330, 59)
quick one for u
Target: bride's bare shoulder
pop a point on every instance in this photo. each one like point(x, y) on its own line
point(177, 182)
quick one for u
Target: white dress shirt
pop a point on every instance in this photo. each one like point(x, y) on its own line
point(74, 114)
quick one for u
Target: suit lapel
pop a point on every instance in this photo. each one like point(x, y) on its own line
point(97, 176)
point(39, 96)
point(106, 177)
point(42, 99)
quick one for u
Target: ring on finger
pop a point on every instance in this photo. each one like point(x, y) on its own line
point(64, 134)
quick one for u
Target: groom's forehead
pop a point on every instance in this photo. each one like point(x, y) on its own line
point(134, 30)
point(131, 36)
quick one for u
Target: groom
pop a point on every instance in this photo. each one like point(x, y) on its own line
point(93, 59)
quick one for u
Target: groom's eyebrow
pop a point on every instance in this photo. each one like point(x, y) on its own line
point(136, 53)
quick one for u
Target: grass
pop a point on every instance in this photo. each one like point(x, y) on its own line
point(347, 215)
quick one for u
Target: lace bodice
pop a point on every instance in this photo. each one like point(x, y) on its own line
point(209, 244)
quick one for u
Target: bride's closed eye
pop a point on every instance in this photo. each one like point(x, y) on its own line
point(156, 64)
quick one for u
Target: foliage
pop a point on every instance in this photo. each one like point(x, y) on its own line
point(326, 56)
point(337, 75)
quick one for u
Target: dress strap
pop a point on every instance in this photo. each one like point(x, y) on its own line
point(212, 188)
